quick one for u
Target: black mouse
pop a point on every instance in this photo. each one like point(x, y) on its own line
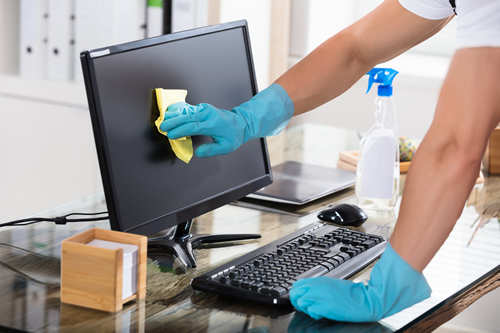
point(344, 214)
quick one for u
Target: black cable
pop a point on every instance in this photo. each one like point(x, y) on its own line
point(57, 220)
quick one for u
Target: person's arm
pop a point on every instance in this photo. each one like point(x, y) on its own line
point(324, 74)
point(447, 162)
point(439, 182)
point(339, 62)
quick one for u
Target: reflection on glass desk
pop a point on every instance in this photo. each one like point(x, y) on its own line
point(30, 272)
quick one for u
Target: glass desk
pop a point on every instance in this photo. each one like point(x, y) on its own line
point(30, 264)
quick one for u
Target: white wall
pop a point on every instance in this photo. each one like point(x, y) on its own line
point(415, 98)
point(47, 147)
point(258, 15)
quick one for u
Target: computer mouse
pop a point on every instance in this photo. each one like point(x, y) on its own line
point(344, 214)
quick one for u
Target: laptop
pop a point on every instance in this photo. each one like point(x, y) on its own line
point(298, 183)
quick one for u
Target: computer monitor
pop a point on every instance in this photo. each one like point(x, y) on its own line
point(147, 188)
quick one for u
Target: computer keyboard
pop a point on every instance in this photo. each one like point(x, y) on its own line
point(266, 275)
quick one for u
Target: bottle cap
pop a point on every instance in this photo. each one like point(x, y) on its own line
point(384, 91)
point(384, 77)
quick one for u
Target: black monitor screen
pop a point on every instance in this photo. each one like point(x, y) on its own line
point(147, 187)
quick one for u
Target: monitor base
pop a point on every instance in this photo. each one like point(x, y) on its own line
point(181, 241)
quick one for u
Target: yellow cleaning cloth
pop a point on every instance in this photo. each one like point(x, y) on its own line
point(182, 147)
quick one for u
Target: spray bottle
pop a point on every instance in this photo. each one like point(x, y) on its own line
point(377, 176)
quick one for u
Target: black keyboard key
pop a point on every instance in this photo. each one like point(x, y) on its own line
point(247, 283)
point(322, 250)
point(223, 279)
point(310, 236)
point(266, 290)
point(339, 259)
point(360, 248)
point(334, 262)
point(281, 251)
point(344, 256)
point(234, 274)
point(267, 281)
point(257, 285)
point(368, 244)
point(236, 282)
point(328, 265)
point(344, 248)
point(258, 262)
point(278, 291)
point(352, 253)
point(347, 240)
point(305, 246)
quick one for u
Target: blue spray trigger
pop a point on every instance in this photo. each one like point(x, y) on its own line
point(384, 76)
point(371, 80)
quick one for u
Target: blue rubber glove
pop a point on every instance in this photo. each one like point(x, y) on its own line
point(266, 114)
point(394, 285)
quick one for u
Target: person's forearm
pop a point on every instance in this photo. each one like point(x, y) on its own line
point(324, 74)
point(447, 162)
point(435, 191)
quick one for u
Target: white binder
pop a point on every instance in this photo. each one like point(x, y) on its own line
point(102, 23)
point(189, 14)
point(86, 31)
point(154, 18)
point(129, 20)
point(33, 38)
point(60, 46)
point(183, 15)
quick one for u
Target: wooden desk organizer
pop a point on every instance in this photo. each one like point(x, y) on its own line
point(92, 276)
point(491, 160)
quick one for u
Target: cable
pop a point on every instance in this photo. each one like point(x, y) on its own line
point(57, 220)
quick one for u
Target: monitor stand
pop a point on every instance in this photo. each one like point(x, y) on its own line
point(181, 241)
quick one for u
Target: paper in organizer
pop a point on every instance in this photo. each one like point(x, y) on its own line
point(182, 147)
point(129, 279)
